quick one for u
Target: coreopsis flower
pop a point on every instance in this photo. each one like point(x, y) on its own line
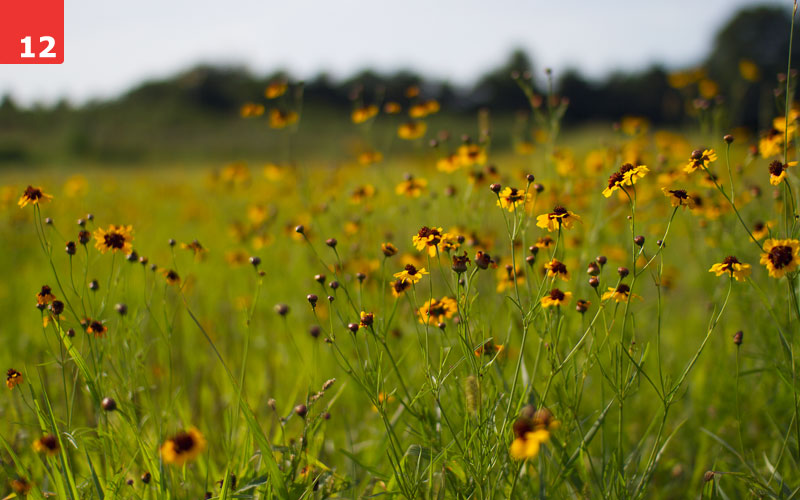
point(544, 242)
point(559, 217)
point(619, 294)
point(279, 118)
point(411, 187)
point(251, 110)
point(631, 173)
point(749, 70)
point(780, 256)
point(392, 108)
point(370, 158)
point(47, 445)
point(364, 113)
point(556, 298)
point(557, 268)
point(196, 248)
point(679, 198)
point(700, 160)
point(761, 229)
point(44, 296)
point(507, 277)
point(489, 348)
point(777, 171)
point(366, 319)
point(362, 193)
point(418, 110)
point(388, 249)
point(627, 175)
point(483, 260)
point(276, 89)
point(460, 263)
point(183, 447)
point(450, 242)
point(449, 163)
point(399, 287)
point(531, 430)
point(428, 237)
point(21, 486)
point(471, 154)
point(13, 378)
point(411, 274)
point(115, 238)
point(412, 130)
point(95, 327)
point(732, 267)
point(34, 196)
point(510, 198)
point(171, 276)
point(436, 311)
point(771, 143)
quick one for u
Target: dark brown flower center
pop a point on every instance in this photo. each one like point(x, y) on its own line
point(33, 193)
point(729, 261)
point(50, 442)
point(679, 193)
point(556, 294)
point(776, 168)
point(623, 288)
point(183, 442)
point(410, 269)
point(615, 179)
point(780, 256)
point(114, 240)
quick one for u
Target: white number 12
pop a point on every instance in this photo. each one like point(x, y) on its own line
point(51, 42)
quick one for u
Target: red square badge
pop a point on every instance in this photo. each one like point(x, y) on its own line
point(31, 31)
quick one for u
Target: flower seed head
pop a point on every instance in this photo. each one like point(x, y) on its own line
point(109, 404)
point(282, 309)
point(622, 271)
point(738, 337)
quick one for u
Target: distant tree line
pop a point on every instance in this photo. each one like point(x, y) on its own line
point(741, 74)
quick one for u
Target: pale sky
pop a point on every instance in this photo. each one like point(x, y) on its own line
point(112, 45)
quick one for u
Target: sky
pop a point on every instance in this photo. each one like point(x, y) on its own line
point(111, 46)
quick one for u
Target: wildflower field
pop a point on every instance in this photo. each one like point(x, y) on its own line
point(608, 312)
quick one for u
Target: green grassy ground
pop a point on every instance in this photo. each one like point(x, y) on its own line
point(413, 410)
